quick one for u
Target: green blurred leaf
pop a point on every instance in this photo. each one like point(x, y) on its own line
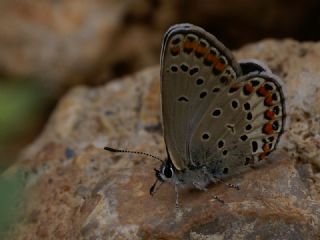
point(23, 104)
point(19, 103)
point(11, 192)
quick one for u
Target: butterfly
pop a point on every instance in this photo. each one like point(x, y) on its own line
point(219, 116)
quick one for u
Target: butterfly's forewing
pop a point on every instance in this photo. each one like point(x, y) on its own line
point(195, 70)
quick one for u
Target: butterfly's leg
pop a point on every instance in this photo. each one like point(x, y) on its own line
point(227, 184)
point(206, 190)
point(214, 179)
point(177, 196)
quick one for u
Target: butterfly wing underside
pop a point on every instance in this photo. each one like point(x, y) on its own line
point(216, 113)
point(195, 67)
point(244, 125)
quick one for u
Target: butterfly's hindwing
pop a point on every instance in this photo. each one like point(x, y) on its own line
point(247, 129)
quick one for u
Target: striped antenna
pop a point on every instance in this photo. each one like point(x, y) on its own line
point(133, 152)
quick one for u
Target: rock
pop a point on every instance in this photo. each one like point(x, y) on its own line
point(57, 43)
point(76, 190)
point(62, 43)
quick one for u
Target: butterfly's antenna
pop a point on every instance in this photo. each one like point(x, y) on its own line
point(134, 152)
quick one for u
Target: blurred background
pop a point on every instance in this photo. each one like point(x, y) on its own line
point(47, 47)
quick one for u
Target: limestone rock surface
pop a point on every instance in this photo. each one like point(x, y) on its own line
point(76, 190)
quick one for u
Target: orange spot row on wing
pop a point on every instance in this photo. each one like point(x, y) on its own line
point(200, 50)
point(189, 46)
point(266, 150)
point(268, 100)
point(269, 114)
point(248, 88)
point(175, 50)
point(267, 128)
point(266, 147)
point(262, 91)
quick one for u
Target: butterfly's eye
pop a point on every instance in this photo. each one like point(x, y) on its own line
point(167, 172)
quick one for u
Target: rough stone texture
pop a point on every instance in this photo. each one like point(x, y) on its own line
point(76, 190)
point(56, 42)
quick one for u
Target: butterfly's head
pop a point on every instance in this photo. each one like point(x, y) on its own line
point(165, 173)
